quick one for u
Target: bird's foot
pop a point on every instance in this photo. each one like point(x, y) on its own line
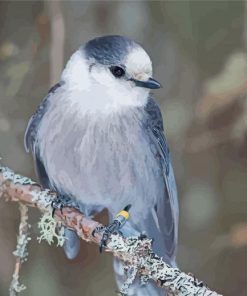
point(114, 227)
point(61, 202)
point(142, 236)
point(106, 232)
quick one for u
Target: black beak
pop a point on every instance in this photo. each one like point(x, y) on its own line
point(150, 83)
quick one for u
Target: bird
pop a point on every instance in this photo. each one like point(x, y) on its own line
point(98, 140)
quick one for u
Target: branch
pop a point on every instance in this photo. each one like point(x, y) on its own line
point(21, 251)
point(135, 253)
point(57, 40)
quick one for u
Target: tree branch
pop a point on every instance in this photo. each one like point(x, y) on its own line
point(136, 253)
point(21, 251)
point(57, 40)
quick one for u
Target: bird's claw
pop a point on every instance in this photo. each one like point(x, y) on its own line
point(114, 227)
point(97, 229)
point(106, 232)
point(142, 236)
point(59, 203)
point(104, 239)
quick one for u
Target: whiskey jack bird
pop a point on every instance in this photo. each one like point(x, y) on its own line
point(97, 138)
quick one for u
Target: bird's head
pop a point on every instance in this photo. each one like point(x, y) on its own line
point(115, 69)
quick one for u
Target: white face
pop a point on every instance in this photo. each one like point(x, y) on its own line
point(100, 90)
point(138, 64)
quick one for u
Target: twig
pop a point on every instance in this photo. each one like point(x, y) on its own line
point(21, 251)
point(136, 253)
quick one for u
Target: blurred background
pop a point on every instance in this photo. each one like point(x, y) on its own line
point(199, 55)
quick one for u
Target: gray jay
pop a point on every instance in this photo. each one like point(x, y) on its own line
point(97, 138)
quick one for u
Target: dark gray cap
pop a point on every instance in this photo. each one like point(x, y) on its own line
point(109, 50)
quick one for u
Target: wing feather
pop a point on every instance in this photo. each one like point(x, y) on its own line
point(167, 208)
point(30, 141)
point(34, 121)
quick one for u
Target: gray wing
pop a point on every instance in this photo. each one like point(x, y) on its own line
point(166, 209)
point(72, 243)
point(30, 142)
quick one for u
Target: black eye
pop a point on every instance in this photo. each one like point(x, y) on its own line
point(117, 71)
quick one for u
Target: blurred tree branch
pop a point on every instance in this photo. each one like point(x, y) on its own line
point(221, 113)
point(21, 250)
point(57, 40)
point(135, 252)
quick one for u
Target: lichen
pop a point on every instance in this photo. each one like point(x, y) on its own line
point(42, 198)
point(139, 258)
point(49, 230)
point(15, 178)
point(21, 252)
point(131, 273)
point(47, 225)
point(135, 252)
point(15, 286)
point(130, 246)
point(21, 247)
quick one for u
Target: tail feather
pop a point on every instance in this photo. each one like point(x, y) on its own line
point(72, 244)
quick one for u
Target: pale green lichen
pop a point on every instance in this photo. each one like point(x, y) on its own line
point(22, 239)
point(42, 198)
point(15, 286)
point(49, 230)
point(21, 248)
point(47, 225)
point(15, 178)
